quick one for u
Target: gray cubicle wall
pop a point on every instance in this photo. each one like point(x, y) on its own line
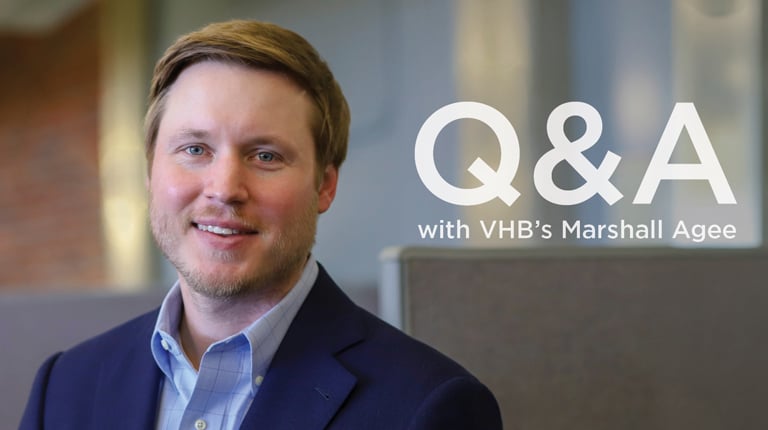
point(596, 339)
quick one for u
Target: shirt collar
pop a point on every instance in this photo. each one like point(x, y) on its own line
point(263, 335)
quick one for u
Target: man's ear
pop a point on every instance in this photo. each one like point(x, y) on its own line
point(327, 188)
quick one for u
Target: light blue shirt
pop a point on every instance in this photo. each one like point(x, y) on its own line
point(231, 370)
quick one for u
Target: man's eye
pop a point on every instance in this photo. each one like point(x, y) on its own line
point(195, 150)
point(265, 156)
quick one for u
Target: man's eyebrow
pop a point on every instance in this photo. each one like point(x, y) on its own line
point(185, 135)
point(190, 133)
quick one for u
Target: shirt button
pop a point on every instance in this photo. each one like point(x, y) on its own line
point(200, 424)
point(259, 379)
point(165, 345)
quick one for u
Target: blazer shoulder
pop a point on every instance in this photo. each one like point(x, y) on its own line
point(77, 388)
point(416, 385)
point(393, 343)
point(130, 335)
point(459, 403)
point(368, 339)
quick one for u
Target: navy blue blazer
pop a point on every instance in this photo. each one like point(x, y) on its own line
point(338, 367)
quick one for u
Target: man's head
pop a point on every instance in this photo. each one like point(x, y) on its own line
point(245, 133)
point(262, 46)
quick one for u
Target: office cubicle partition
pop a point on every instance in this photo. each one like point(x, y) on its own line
point(595, 338)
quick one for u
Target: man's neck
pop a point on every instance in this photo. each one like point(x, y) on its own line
point(206, 320)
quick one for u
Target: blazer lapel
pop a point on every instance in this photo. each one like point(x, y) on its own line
point(306, 385)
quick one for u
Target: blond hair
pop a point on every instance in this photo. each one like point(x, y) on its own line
point(262, 46)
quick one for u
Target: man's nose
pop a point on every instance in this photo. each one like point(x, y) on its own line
point(226, 180)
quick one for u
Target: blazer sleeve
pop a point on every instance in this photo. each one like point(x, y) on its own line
point(461, 403)
point(35, 410)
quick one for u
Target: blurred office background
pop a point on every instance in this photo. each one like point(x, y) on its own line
point(74, 75)
point(665, 342)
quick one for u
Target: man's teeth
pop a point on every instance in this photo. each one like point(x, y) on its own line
point(217, 230)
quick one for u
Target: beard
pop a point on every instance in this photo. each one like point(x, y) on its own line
point(238, 274)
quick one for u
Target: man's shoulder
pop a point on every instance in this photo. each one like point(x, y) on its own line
point(382, 347)
point(115, 342)
point(413, 383)
point(391, 345)
point(77, 387)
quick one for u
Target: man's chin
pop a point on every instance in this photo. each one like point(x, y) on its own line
point(221, 284)
point(231, 285)
point(219, 290)
point(225, 280)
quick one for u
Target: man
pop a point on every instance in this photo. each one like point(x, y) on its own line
point(246, 131)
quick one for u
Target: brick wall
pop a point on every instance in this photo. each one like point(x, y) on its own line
point(50, 228)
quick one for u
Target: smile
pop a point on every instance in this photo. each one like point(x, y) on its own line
point(223, 231)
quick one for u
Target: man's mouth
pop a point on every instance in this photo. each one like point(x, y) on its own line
point(223, 231)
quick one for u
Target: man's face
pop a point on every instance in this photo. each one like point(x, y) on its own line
point(234, 196)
